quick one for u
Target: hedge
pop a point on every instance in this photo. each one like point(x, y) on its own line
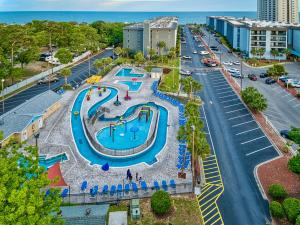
point(292, 208)
point(294, 164)
point(276, 209)
point(160, 202)
point(298, 220)
point(277, 191)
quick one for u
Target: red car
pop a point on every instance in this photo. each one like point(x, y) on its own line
point(252, 77)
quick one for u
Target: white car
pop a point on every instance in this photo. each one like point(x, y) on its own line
point(236, 63)
point(295, 84)
point(187, 57)
point(200, 46)
point(227, 63)
point(185, 72)
point(204, 53)
point(233, 70)
point(195, 52)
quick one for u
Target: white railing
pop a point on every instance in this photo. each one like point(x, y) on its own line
point(39, 76)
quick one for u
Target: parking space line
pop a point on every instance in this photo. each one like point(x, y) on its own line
point(225, 92)
point(228, 96)
point(219, 89)
point(223, 85)
point(240, 124)
point(285, 95)
point(218, 82)
point(247, 131)
point(212, 168)
point(235, 110)
point(292, 100)
point(230, 100)
point(233, 105)
point(259, 150)
point(246, 142)
point(209, 161)
point(236, 117)
point(295, 106)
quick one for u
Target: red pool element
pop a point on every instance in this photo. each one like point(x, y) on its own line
point(134, 79)
point(54, 172)
point(127, 97)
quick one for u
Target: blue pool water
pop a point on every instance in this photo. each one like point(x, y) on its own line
point(94, 157)
point(132, 85)
point(46, 163)
point(126, 72)
point(123, 138)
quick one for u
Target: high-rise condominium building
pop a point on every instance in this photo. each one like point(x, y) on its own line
point(278, 10)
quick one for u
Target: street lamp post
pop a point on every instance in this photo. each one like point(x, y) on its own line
point(242, 76)
point(36, 136)
point(3, 99)
point(89, 64)
point(192, 161)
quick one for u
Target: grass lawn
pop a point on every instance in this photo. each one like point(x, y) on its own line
point(185, 211)
point(170, 82)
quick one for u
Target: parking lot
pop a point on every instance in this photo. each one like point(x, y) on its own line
point(239, 145)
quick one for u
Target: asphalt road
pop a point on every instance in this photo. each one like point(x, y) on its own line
point(238, 142)
point(79, 73)
point(283, 108)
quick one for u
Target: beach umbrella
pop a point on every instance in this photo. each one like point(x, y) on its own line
point(105, 167)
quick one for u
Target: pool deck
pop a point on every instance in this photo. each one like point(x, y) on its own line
point(56, 138)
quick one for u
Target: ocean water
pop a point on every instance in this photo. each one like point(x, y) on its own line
point(88, 16)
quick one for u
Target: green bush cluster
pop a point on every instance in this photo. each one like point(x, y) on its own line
point(254, 99)
point(160, 202)
point(277, 191)
point(298, 220)
point(294, 164)
point(276, 209)
point(292, 208)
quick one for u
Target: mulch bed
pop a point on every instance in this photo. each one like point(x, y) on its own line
point(277, 171)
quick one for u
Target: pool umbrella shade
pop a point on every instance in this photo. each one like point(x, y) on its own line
point(83, 185)
point(134, 130)
point(105, 167)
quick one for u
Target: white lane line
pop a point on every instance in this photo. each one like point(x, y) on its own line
point(275, 118)
point(233, 105)
point(240, 124)
point(246, 142)
point(223, 85)
point(236, 117)
point(295, 106)
point(247, 131)
point(218, 82)
point(230, 100)
point(227, 96)
point(292, 100)
point(236, 110)
point(217, 79)
point(219, 89)
point(225, 92)
point(259, 150)
point(286, 95)
point(212, 143)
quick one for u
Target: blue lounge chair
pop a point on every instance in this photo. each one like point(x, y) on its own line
point(127, 188)
point(47, 192)
point(134, 187)
point(179, 166)
point(144, 186)
point(120, 188)
point(64, 193)
point(105, 189)
point(156, 185)
point(172, 184)
point(164, 185)
point(112, 190)
point(83, 185)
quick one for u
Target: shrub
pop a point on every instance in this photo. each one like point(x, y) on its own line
point(294, 164)
point(160, 202)
point(292, 208)
point(276, 209)
point(298, 220)
point(277, 191)
point(298, 95)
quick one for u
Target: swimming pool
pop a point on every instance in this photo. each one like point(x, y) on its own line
point(47, 163)
point(123, 138)
point(94, 157)
point(132, 85)
point(127, 72)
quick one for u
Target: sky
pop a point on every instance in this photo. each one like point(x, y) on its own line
point(128, 5)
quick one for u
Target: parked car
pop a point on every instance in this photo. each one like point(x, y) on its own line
point(283, 78)
point(201, 46)
point(270, 81)
point(236, 75)
point(43, 56)
point(233, 70)
point(295, 84)
point(46, 80)
point(195, 52)
point(185, 72)
point(227, 63)
point(236, 63)
point(285, 134)
point(186, 57)
point(252, 77)
point(204, 53)
point(263, 75)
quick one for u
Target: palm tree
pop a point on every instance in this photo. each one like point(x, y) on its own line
point(261, 52)
point(99, 63)
point(254, 52)
point(161, 45)
point(118, 51)
point(66, 72)
point(190, 86)
point(274, 53)
point(151, 53)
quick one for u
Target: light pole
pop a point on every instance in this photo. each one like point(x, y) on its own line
point(36, 136)
point(193, 150)
point(3, 99)
point(89, 64)
point(242, 76)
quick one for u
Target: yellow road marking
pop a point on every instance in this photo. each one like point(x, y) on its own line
point(211, 217)
point(214, 208)
point(212, 176)
point(204, 196)
point(217, 221)
point(212, 172)
point(211, 168)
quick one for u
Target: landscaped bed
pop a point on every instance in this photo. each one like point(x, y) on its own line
point(184, 211)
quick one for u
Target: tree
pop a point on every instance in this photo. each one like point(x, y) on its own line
point(292, 208)
point(66, 72)
point(191, 109)
point(125, 52)
point(99, 63)
point(274, 53)
point(294, 164)
point(255, 100)
point(118, 51)
point(152, 53)
point(161, 45)
point(254, 52)
point(298, 220)
point(64, 56)
point(276, 71)
point(277, 191)
point(294, 135)
point(277, 210)
point(28, 55)
point(172, 53)
point(261, 52)
point(160, 202)
point(190, 86)
point(21, 183)
point(139, 58)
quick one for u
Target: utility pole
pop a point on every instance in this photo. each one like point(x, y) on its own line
point(192, 161)
point(242, 75)
point(3, 99)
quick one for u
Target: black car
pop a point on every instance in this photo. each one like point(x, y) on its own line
point(252, 77)
point(263, 75)
point(285, 133)
point(270, 81)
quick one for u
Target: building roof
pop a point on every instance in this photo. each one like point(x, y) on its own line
point(17, 119)
point(167, 22)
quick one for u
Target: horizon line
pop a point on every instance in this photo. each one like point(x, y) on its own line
point(115, 11)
